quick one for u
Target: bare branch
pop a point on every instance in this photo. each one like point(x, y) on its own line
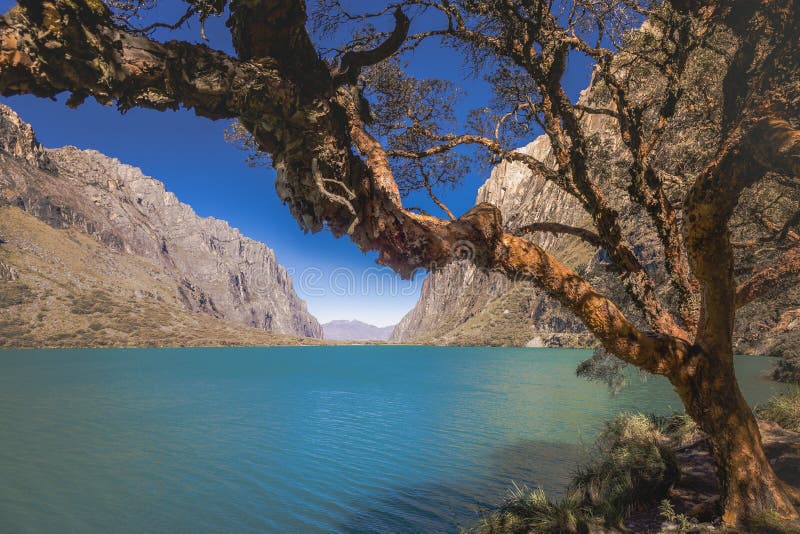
point(429, 188)
point(768, 278)
point(786, 232)
point(354, 61)
point(596, 111)
point(320, 181)
point(557, 228)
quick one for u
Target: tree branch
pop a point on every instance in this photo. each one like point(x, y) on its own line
point(451, 141)
point(320, 181)
point(768, 278)
point(558, 228)
point(353, 61)
point(709, 207)
point(81, 51)
point(657, 354)
point(429, 188)
point(646, 187)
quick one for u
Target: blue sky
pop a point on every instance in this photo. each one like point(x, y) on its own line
point(190, 156)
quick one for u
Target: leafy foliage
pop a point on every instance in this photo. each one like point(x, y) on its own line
point(681, 521)
point(606, 368)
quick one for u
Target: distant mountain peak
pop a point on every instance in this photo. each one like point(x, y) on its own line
point(355, 330)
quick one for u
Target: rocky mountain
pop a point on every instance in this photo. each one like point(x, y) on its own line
point(461, 305)
point(208, 266)
point(354, 330)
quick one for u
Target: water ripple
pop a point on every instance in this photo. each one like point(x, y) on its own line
point(315, 439)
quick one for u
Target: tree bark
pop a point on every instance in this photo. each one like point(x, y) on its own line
point(749, 484)
point(706, 382)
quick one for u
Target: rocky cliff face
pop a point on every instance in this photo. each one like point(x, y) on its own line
point(461, 304)
point(215, 269)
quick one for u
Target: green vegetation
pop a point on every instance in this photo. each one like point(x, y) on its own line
point(632, 467)
point(532, 511)
point(787, 369)
point(783, 409)
point(681, 521)
point(95, 301)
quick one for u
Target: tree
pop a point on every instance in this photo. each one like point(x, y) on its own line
point(339, 161)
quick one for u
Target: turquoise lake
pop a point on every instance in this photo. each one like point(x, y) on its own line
point(299, 439)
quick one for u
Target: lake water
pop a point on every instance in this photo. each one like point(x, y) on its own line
point(302, 439)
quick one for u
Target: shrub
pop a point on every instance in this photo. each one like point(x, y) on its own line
point(634, 467)
point(679, 521)
point(787, 369)
point(531, 511)
point(783, 409)
point(678, 427)
point(97, 301)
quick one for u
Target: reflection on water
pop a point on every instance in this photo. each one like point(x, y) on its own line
point(302, 439)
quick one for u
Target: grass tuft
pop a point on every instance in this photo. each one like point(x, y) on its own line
point(633, 467)
point(533, 512)
point(783, 409)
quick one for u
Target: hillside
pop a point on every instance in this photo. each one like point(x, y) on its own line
point(101, 254)
point(61, 288)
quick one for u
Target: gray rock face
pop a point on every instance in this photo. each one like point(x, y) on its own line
point(216, 269)
point(18, 140)
point(354, 330)
point(456, 302)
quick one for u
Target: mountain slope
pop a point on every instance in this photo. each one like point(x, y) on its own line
point(355, 331)
point(461, 304)
point(208, 266)
point(62, 288)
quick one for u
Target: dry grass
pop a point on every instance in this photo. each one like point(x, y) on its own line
point(783, 409)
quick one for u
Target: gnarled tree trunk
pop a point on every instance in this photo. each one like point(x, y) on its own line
point(750, 487)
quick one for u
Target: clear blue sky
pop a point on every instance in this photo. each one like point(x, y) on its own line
point(190, 156)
